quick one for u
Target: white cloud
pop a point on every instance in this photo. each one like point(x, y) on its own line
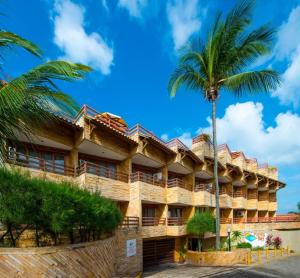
point(165, 137)
point(134, 7)
point(77, 45)
point(242, 128)
point(186, 138)
point(287, 48)
point(183, 17)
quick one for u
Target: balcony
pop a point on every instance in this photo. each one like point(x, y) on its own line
point(225, 220)
point(153, 227)
point(204, 195)
point(176, 226)
point(239, 200)
point(252, 201)
point(263, 202)
point(178, 193)
point(39, 167)
point(151, 189)
point(129, 222)
point(272, 205)
point(225, 198)
point(239, 220)
point(110, 182)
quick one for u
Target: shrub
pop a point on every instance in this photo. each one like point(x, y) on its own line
point(277, 242)
point(258, 248)
point(52, 209)
point(200, 223)
point(242, 245)
point(269, 241)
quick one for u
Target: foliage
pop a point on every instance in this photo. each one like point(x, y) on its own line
point(221, 63)
point(52, 209)
point(256, 248)
point(33, 98)
point(243, 245)
point(269, 240)
point(199, 224)
point(236, 236)
point(277, 242)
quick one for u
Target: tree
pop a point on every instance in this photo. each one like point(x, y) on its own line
point(199, 224)
point(236, 236)
point(33, 98)
point(221, 64)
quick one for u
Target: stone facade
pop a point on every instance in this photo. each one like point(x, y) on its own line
point(157, 185)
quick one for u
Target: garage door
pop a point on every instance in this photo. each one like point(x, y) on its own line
point(158, 252)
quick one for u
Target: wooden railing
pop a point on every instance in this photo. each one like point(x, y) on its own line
point(101, 171)
point(138, 129)
point(153, 221)
point(177, 143)
point(252, 195)
point(176, 221)
point(263, 197)
point(275, 219)
point(39, 164)
point(147, 178)
point(225, 220)
point(130, 221)
point(88, 111)
point(239, 194)
point(204, 187)
point(225, 191)
point(177, 182)
point(237, 220)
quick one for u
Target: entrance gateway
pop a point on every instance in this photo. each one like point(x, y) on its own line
point(158, 251)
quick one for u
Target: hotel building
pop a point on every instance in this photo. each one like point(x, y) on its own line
point(157, 185)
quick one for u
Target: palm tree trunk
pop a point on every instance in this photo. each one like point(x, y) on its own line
point(216, 174)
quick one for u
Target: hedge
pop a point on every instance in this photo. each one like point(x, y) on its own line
point(52, 209)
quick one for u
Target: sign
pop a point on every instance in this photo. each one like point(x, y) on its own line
point(131, 247)
point(255, 238)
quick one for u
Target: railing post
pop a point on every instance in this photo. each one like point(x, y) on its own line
point(258, 256)
point(267, 253)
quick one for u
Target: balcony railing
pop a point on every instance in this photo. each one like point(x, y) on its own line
point(138, 129)
point(239, 194)
point(153, 221)
point(263, 198)
point(225, 191)
point(275, 219)
point(176, 182)
point(88, 111)
point(251, 196)
point(37, 163)
point(176, 221)
point(130, 222)
point(225, 220)
point(237, 220)
point(205, 187)
point(147, 178)
point(101, 171)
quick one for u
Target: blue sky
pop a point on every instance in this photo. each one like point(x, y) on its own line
point(133, 47)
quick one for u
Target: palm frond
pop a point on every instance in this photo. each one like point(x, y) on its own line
point(32, 99)
point(252, 82)
point(185, 75)
point(8, 39)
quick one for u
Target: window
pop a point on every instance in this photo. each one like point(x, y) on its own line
point(100, 168)
point(175, 212)
point(148, 212)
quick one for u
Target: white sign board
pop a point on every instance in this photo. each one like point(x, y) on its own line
point(256, 238)
point(131, 247)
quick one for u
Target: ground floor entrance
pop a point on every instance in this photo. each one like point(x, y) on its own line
point(158, 251)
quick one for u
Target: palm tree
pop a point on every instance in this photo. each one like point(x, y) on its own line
point(221, 64)
point(199, 224)
point(33, 99)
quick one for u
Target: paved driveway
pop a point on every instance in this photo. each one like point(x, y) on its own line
point(288, 267)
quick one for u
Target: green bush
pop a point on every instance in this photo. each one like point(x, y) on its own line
point(52, 209)
point(243, 245)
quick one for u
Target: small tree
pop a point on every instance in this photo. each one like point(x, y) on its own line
point(269, 241)
point(277, 242)
point(236, 236)
point(200, 223)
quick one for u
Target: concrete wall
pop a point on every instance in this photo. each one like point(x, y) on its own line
point(222, 258)
point(289, 238)
point(94, 259)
